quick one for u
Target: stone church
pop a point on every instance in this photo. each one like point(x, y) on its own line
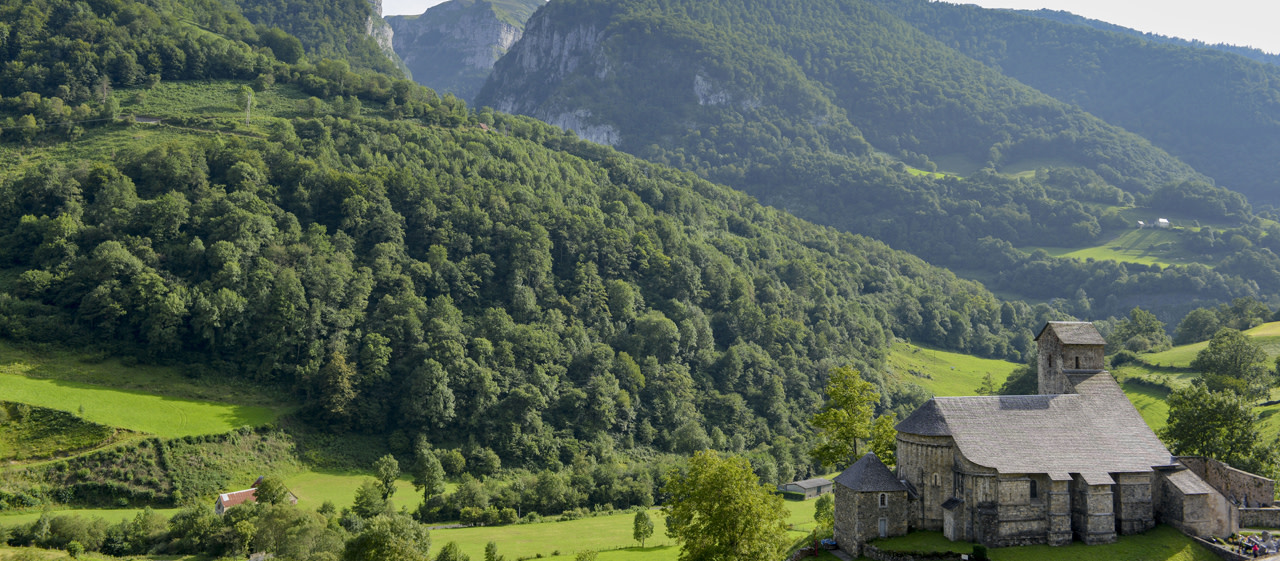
point(1076, 462)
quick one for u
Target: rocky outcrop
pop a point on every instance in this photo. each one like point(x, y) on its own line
point(453, 46)
point(551, 53)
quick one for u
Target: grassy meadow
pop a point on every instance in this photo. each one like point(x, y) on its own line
point(1148, 246)
point(146, 399)
point(1163, 543)
point(137, 411)
point(610, 535)
point(314, 486)
point(944, 373)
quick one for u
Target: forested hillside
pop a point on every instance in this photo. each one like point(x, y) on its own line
point(352, 30)
point(1068, 17)
point(1218, 111)
point(402, 264)
point(815, 108)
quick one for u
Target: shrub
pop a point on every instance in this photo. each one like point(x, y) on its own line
point(979, 553)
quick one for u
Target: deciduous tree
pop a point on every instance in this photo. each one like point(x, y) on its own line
point(845, 418)
point(1220, 425)
point(1234, 361)
point(641, 527)
point(718, 510)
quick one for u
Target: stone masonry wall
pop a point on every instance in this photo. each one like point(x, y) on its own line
point(1051, 380)
point(928, 463)
point(846, 519)
point(1260, 518)
point(857, 516)
point(1134, 509)
point(1241, 487)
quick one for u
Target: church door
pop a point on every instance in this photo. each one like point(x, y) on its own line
point(884, 527)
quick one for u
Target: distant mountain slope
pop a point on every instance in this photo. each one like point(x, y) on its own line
point(452, 47)
point(1218, 111)
point(799, 103)
point(1068, 17)
point(407, 267)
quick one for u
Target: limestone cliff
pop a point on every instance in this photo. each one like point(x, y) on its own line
point(378, 28)
point(552, 53)
point(453, 46)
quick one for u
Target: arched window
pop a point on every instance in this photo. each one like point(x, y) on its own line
point(884, 500)
point(937, 480)
point(1034, 492)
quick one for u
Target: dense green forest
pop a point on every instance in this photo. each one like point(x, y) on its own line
point(505, 286)
point(331, 28)
point(1215, 110)
point(1068, 17)
point(815, 107)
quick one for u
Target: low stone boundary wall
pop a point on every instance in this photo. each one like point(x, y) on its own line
point(1260, 518)
point(876, 554)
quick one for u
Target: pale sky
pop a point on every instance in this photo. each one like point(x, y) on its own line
point(1248, 23)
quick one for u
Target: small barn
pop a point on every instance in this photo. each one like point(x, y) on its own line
point(810, 488)
point(250, 495)
point(1163, 223)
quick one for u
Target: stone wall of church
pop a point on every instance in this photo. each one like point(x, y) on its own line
point(1132, 502)
point(1059, 507)
point(1092, 512)
point(1083, 357)
point(1243, 488)
point(1051, 380)
point(928, 462)
point(1021, 518)
point(978, 518)
point(1203, 514)
point(858, 516)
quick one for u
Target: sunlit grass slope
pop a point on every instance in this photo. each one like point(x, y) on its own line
point(944, 373)
point(112, 394)
point(1163, 543)
point(1148, 246)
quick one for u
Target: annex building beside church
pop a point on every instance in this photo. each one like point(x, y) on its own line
point(1076, 462)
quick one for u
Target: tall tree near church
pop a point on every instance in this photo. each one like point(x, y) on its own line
point(845, 418)
point(1233, 361)
point(1220, 425)
point(719, 510)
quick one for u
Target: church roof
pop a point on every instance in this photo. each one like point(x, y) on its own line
point(927, 420)
point(869, 474)
point(1074, 332)
point(1096, 431)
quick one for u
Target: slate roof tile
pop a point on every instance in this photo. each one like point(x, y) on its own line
point(1097, 431)
point(869, 474)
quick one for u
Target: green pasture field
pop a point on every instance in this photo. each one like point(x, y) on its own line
point(134, 410)
point(1267, 335)
point(95, 370)
point(1163, 543)
point(610, 535)
point(948, 373)
point(1130, 246)
point(209, 99)
point(1028, 167)
point(314, 486)
point(956, 164)
point(1150, 403)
